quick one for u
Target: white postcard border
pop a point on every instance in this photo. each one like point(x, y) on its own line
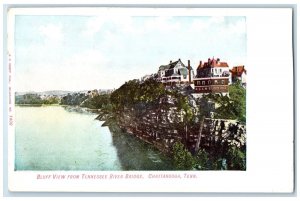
point(259, 177)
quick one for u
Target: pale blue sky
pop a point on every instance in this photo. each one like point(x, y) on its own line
point(86, 52)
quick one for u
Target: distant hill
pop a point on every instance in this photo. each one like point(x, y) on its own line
point(53, 92)
point(57, 92)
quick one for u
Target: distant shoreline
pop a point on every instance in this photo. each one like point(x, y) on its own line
point(36, 105)
point(71, 106)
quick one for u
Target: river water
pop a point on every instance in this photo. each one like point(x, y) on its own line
point(57, 138)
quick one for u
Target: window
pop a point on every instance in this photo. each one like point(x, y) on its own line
point(216, 81)
point(203, 82)
point(198, 82)
point(216, 71)
point(223, 82)
point(209, 82)
point(220, 71)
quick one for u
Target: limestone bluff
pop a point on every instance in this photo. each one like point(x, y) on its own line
point(204, 114)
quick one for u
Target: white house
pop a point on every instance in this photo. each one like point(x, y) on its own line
point(175, 73)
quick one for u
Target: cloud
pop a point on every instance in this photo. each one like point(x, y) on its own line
point(85, 70)
point(204, 24)
point(93, 25)
point(113, 49)
point(216, 20)
point(52, 33)
point(161, 24)
point(199, 25)
point(218, 24)
point(127, 25)
point(239, 27)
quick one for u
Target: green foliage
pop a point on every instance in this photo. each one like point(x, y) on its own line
point(35, 99)
point(97, 102)
point(182, 104)
point(183, 159)
point(93, 102)
point(233, 158)
point(232, 107)
point(134, 92)
point(28, 99)
point(202, 160)
point(73, 99)
point(51, 100)
point(237, 95)
point(236, 159)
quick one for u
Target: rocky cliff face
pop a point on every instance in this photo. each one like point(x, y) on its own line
point(221, 132)
point(163, 128)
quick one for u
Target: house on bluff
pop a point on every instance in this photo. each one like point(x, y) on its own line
point(212, 77)
point(175, 73)
point(238, 73)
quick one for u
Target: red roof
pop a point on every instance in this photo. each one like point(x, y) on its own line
point(220, 64)
point(212, 63)
point(238, 71)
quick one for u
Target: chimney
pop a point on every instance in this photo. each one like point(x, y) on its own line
point(189, 67)
point(218, 60)
point(208, 62)
point(170, 61)
point(200, 64)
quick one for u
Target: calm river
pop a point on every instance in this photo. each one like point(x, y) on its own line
point(57, 138)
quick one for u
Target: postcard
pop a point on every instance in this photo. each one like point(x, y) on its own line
point(143, 99)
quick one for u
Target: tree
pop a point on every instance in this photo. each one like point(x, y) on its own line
point(236, 159)
point(97, 102)
point(73, 99)
point(237, 94)
point(134, 92)
point(29, 99)
point(183, 159)
point(51, 100)
point(202, 160)
point(229, 107)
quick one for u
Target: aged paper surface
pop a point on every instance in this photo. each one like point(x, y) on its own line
point(64, 64)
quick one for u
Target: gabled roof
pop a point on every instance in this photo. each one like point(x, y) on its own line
point(170, 65)
point(164, 67)
point(238, 70)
